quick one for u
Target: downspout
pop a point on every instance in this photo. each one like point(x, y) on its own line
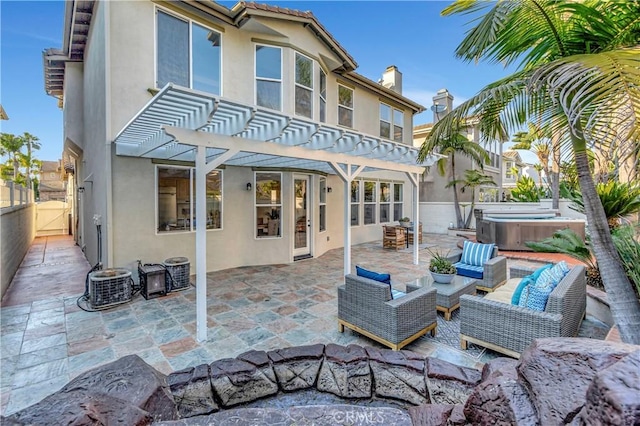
point(108, 143)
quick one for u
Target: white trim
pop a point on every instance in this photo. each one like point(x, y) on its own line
point(296, 84)
point(190, 22)
point(352, 107)
point(255, 75)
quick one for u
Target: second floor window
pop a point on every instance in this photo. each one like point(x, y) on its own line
point(304, 86)
point(269, 77)
point(508, 170)
point(345, 106)
point(323, 96)
point(188, 54)
point(391, 123)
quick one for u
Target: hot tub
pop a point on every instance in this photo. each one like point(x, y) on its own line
point(511, 229)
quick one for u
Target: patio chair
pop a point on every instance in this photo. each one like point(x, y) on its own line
point(495, 323)
point(366, 306)
point(393, 237)
point(411, 239)
point(490, 273)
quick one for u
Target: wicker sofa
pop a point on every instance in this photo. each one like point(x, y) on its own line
point(365, 306)
point(494, 272)
point(509, 329)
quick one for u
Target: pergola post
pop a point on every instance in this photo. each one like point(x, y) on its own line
point(201, 244)
point(413, 178)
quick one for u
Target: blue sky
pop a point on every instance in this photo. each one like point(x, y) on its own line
point(409, 34)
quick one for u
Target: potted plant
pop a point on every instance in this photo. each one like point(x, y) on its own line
point(442, 269)
point(405, 222)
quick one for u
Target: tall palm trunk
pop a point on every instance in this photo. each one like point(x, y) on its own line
point(555, 171)
point(625, 307)
point(456, 202)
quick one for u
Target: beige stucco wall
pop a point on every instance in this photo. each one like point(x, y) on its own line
point(93, 171)
point(17, 231)
point(73, 117)
point(119, 69)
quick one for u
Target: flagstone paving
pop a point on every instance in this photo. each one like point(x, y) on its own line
point(46, 339)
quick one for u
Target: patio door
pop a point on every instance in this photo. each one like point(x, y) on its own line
point(302, 218)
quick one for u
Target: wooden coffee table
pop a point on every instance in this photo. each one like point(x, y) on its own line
point(447, 295)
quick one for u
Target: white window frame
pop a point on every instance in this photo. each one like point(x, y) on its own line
point(256, 78)
point(322, 96)
point(390, 121)
point(350, 108)
point(387, 203)
point(507, 169)
point(192, 206)
point(356, 203)
point(398, 199)
point(322, 202)
point(397, 123)
point(190, 23)
point(302, 86)
point(272, 205)
point(372, 204)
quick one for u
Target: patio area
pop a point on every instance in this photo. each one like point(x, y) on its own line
point(47, 339)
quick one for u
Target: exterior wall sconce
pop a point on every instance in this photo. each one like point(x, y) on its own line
point(329, 189)
point(248, 186)
point(81, 189)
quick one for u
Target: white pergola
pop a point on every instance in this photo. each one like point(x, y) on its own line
point(187, 125)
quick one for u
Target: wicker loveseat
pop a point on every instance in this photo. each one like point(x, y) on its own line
point(509, 329)
point(365, 306)
point(493, 272)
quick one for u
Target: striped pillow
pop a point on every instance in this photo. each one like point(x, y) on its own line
point(476, 254)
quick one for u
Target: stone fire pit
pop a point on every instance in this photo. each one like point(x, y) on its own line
point(557, 381)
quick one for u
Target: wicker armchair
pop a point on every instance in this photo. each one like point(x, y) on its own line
point(393, 237)
point(494, 272)
point(509, 329)
point(366, 307)
point(419, 234)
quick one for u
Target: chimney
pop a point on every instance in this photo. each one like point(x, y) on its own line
point(442, 104)
point(392, 79)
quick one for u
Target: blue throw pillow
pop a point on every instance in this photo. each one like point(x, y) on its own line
point(528, 280)
point(383, 278)
point(476, 254)
point(552, 277)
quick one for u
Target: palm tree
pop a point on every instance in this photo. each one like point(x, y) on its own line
point(539, 168)
point(11, 145)
point(539, 140)
point(31, 142)
point(450, 145)
point(579, 70)
point(473, 179)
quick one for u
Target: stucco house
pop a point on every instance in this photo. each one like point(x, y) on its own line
point(52, 181)
point(432, 184)
point(231, 137)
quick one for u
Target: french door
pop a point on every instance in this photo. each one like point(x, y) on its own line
point(302, 218)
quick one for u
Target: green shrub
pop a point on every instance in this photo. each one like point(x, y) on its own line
point(527, 191)
point(628, 246)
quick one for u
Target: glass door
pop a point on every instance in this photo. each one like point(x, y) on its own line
point(302, 219)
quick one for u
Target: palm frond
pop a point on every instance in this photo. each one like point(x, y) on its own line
point(596, 90)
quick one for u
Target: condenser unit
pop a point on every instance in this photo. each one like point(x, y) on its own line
point(177, 273)
point(109, 287)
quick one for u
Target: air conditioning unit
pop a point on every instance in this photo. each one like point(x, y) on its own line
point(177, 273)
point(109, 287)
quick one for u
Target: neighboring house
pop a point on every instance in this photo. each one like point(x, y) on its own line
point(3, 114)
point(433, 185)
point(52, 185)
point(249, 121)
point(513, 169)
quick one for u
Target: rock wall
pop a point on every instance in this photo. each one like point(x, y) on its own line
point(556, 382)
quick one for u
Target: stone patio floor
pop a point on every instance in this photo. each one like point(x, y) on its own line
point(46, 339)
